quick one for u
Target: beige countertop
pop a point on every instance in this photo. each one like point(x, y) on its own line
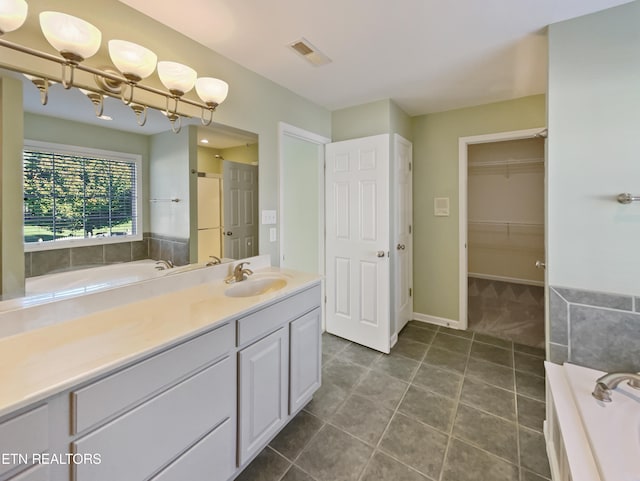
point(42, 362)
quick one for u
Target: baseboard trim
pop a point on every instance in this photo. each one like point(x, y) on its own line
point(393, 340)
point(440, 321)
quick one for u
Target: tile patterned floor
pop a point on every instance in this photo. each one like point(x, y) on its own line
point(445, 405)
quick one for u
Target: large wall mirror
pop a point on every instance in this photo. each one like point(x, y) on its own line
point(186, 198)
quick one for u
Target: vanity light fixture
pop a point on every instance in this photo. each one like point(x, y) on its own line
point(134, 61)
point(13, 13)
point(179, 79)
point(141, 113)
point(212, 91)
point(76, 40)
point(42, 84)
point(96, 99)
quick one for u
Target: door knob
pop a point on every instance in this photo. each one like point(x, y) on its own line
point(228, 233)
point(400, 247)
point(380, 253)
point(541, 265)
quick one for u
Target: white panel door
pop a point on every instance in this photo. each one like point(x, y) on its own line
point(403, 309)
point(240, 231)
point(357, 244)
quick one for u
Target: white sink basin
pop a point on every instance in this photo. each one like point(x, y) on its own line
point(255, 287)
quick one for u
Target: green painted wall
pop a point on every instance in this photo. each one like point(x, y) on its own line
point(170, 178)
point(254, 104)
point(593, 151)
point(301, 204)
point(207, 162)
point(435, 174)
point(247, 154)
point(11, 216)
point(361, 121)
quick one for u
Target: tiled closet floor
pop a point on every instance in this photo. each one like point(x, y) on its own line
point(445, 405)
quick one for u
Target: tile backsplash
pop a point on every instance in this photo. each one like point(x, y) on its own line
point(594, 329)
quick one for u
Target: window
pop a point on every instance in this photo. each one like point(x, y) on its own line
point(78, 196)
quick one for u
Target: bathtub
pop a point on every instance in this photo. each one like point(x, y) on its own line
point(83, 281)
point(589, 439)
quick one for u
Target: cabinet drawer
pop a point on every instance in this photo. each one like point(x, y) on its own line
point(213, 458)
point(26, 434)
point(137, 444)
point(35, 473)
point(107, 397)
point(255, 325)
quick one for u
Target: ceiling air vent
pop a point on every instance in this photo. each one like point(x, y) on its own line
point(311, 54)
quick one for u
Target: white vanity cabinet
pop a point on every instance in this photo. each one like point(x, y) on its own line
point(279, 372)
point(27, 435)
point(263, 385)
point(305, 356)
point(141, 441)
point(200, 408)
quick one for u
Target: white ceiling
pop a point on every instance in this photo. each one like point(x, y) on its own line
point(427, 55)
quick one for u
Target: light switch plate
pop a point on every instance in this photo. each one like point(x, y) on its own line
point(272, 234)
point(268, 217)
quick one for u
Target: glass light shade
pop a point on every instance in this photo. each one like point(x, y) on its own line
point(178, 78)
point(134, 61)
point(12, 15)
point(74, 38)
point(212, 90)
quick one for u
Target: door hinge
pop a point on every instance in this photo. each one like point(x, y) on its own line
point(409, 228)
point(325, 299)
point(410, 292)
point(409, 166)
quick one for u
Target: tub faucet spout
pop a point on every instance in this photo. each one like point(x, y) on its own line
point(164, 264)
point(608, 382)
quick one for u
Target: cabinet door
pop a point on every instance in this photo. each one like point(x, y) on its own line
point(305, 359)
point(263, 371)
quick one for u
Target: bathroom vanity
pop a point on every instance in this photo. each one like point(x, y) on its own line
point(187, 385)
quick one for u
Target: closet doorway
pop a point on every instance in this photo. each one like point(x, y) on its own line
point(505, 232)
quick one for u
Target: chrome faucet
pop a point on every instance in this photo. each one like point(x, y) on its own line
point(608, 382)
point(239, 273)
point(164, 264)
point(215, 260)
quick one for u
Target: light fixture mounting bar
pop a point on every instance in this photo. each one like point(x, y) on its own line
point(101, 73)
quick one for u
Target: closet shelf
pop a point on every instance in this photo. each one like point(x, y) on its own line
point(506, 223)
point(493, 163)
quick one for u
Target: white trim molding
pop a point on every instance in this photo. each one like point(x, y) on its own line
point(463, 144)
point(438, 321)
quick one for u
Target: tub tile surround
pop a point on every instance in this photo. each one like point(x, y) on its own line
point(429, 415)
point(594, 329)
point(174, 249)
point(39, 263)
point(152, 246)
